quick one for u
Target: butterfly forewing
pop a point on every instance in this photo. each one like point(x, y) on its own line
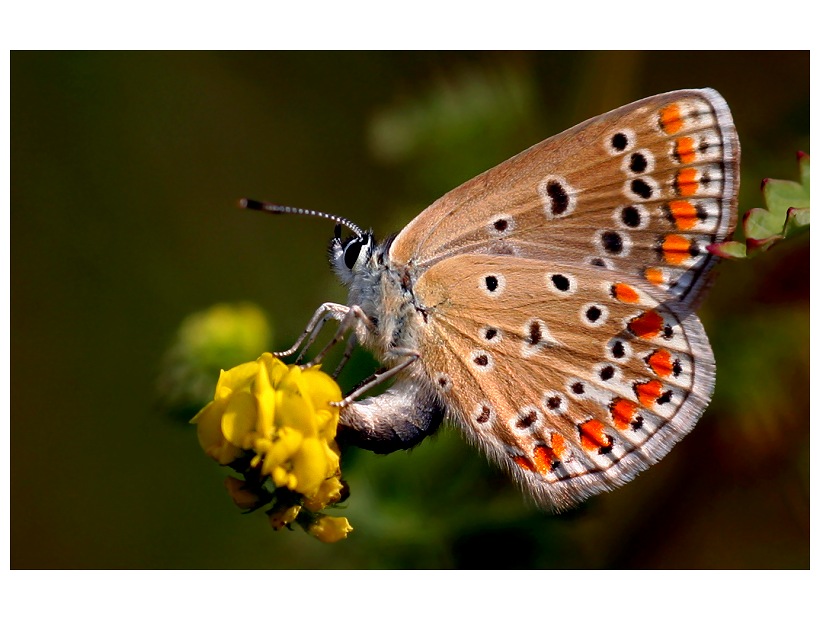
point(572, 377)
point(641, 190)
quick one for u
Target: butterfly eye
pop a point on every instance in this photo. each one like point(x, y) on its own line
point(352, 253)
point(353, 250)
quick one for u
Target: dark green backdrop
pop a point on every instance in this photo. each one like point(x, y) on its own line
point(125, 171)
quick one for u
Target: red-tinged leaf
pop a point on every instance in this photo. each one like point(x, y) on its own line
point(761, 245)
point(728, 249)
point(803, 162)
point(796, 221)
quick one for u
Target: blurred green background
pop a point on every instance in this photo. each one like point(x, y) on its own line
point(125, 171)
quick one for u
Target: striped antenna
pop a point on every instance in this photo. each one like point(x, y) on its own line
point(268, 207)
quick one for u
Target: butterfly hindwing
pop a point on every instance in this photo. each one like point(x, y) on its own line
point(642, 190)
point(573, 378)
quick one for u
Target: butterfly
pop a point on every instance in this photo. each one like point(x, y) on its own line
point(546, 307)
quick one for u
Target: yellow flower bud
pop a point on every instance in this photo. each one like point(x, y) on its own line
point(330, 529)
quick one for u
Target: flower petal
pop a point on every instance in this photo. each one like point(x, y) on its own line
point(265, 402)
point(236, 378)
point(209, 433)
point(293, 409)
point(209, 424)
point(310, 466)
point(239, 418)
point(322, 389)
point(225, 453)
point(279, 450)
point(276, 368)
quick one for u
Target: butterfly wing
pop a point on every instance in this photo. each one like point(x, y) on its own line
point(508, 345)
point(642, 190)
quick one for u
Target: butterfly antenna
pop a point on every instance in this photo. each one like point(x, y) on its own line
point(268, 207)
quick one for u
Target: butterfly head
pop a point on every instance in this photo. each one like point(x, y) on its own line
point(351, 256)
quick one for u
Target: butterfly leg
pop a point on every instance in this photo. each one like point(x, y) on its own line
point(380, 377)
point(351, 343)
point(323, 313)
point(354, 317)
point(348, 318)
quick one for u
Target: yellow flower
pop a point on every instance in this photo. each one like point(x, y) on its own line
point(282, 413)
point(278, 421)
point(330, 529)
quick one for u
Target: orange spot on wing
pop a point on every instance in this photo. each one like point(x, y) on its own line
point(661, 363)
point(625, 293)
point(559, 445)
point(684, 213)
point(686, 182)
point(523, 463)
point(543, 457)
point(676, 249)
point(685, 149)
point(649, 392)
point(593, 436)
point(671, 121)
point(646, 325)
point(623, 411)
point(654, 275)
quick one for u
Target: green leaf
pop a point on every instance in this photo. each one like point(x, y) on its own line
point(760, 224)
point(780, 196)
point(728, 249)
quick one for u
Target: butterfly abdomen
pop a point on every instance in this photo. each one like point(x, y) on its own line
point(398, 419)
